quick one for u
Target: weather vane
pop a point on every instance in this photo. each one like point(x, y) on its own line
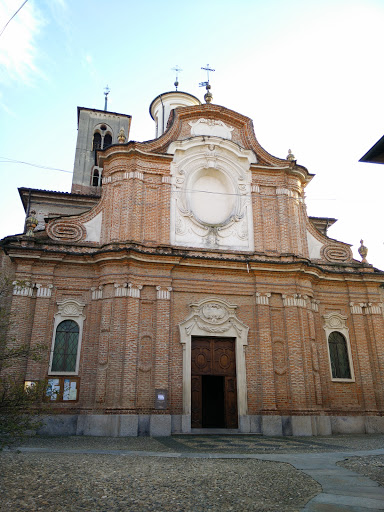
point(177, 69)
point(208, 94)
point(107, 90)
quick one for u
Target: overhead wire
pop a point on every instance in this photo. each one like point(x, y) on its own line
point(5, 160)
point(13, 161)
point(11, 18)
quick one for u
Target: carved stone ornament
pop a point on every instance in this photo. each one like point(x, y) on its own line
point(70, 308)
point(121, 137)
point(211, 203)
point(30, 223)
point(335, 321)
point(214, 312)
point(214, 316)
point(211, 127)
point(363, 251)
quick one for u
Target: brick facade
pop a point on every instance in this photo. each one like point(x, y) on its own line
point(134, 289)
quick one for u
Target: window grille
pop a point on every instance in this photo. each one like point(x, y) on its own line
point(338, 353)
point(65, 348)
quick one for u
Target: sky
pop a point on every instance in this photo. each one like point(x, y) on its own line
point(309, 73)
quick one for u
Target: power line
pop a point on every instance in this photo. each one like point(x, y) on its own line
point(5, 160)
point(11, 18)
point(193, 191)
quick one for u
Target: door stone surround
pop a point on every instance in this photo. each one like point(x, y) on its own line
point(213, 317)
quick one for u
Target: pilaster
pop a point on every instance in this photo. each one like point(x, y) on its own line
point(163, 310)
point(361, 351)
point(40, 330)
point(128, 394)
point(165, 217)
point(266, 351)
point(105, 311)
point(295, 350)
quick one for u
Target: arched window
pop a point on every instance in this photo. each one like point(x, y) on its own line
point(338, 353)
point(107, 140)
point(96, 141)
point(96, 178)
point(65, 347)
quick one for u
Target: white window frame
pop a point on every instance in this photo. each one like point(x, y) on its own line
point(69, 309)
point(337, 322)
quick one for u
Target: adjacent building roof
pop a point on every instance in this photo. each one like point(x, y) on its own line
point(376, 154)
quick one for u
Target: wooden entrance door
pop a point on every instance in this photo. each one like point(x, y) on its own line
point(214, 391)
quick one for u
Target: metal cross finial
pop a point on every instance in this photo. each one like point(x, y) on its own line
point(177, 69)
point(208, 95)
point(208, 69)
point(107, 90)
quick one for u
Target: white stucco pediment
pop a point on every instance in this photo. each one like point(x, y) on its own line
point(211, 194)
point(211, 127)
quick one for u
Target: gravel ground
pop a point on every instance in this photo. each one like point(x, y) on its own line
point(72, 482)
point(372, 467)
point(58, 482)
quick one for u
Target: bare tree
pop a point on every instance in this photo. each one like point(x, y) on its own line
point(20, 405)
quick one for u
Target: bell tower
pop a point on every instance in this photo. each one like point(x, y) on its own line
point(97, 129)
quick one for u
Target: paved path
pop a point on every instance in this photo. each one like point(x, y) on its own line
point(342, 490)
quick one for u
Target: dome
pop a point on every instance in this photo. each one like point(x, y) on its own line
point(161, 107)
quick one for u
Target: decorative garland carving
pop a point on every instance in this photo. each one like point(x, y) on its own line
point(214, 316)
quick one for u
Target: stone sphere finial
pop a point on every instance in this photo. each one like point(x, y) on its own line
point(30, 223)
point(290, 156)
point(208, 95)
point(121, 137)
point(363, 251)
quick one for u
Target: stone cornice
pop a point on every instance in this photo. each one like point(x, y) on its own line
point(93, 254)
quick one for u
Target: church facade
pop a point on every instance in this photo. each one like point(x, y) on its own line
point(182, 286)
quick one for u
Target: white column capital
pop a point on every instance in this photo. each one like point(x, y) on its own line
point(163, 292)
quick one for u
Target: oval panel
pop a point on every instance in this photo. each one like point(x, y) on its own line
point(201, 360)
point(212, 197)
point(224, 361)
point(337, 253)
point(62, 230)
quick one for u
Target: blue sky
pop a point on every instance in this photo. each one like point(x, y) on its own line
point(309, 74)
